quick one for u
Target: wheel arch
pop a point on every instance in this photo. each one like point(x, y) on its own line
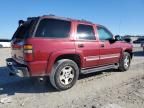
point(129, 51)
point(63, 55)
point(75, 57)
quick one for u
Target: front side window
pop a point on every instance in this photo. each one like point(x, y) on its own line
point(104, 34)
point(85, 32)
point(53, 28)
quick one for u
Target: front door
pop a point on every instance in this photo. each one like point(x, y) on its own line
point(109, 52)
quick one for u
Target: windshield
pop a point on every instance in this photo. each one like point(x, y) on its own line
point(24, 31)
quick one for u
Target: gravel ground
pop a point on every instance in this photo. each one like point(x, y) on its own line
point(109, 89)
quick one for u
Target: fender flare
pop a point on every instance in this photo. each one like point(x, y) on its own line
point(55, 55)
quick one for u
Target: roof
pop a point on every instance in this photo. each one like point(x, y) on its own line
point(68, 19)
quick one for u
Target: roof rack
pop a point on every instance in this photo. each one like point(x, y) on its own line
point(82, 20)
point(30, 18)
point(49, 15)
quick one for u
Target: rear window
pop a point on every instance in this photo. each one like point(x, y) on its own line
point(53, 28)
point(24, 31)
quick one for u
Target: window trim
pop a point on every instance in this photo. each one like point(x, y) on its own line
point(43, 18)
point(105, 29)
point(86, 25)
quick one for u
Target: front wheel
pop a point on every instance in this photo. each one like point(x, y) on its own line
point(64, 74)
point(124, 63)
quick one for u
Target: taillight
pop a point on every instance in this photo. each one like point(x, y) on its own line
point(28, 52)
point(15, 46)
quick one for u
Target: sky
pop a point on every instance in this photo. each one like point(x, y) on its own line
point(119, 16)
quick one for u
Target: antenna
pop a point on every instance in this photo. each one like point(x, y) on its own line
point(119, 27)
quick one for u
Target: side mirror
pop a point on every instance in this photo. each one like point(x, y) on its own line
point(117, 37)
point(112, 40)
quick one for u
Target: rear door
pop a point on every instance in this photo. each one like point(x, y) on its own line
point(87, 45)
point(109, 52)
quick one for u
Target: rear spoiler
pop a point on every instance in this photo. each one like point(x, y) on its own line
point(21, 22)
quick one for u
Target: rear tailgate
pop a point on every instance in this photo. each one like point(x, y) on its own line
point(23, 32)
point(17, 51)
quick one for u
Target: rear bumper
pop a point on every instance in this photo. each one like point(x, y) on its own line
point(17, 69)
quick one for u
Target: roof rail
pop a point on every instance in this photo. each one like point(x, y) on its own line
point(49, 15)
point(86, 21)
point(82, 20)
point(30, 18)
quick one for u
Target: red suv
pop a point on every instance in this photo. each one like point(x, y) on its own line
point(63, 48)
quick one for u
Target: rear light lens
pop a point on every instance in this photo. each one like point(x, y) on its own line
point(15, 46)
point(28, 52)
point(27, 47)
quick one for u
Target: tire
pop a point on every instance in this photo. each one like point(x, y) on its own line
point(64, 74)
point(124, 63)
point(1, 46)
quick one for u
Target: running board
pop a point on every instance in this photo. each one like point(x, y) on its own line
point(92, 70)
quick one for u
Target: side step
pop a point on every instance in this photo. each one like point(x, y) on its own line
point(92, 70)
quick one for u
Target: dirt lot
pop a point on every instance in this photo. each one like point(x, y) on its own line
point(109, 89)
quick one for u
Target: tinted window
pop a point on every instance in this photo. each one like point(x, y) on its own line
point(85, 32)
point(104, 34)
point(23, 31)
point(53, 28)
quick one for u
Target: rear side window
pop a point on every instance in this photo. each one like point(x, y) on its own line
point(85, 32)
point(53, 28)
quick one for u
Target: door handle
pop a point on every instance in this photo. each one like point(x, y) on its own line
point(102, 45)
point(80, 45)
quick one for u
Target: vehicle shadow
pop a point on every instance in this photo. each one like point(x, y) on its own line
point(138, 53)
point(11, 84)
point(83, 76)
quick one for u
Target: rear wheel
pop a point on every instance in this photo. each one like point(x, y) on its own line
point(125, 62)
point(64, 74)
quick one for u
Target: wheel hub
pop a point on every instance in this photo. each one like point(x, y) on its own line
point(126, 62)
point(67, 75)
